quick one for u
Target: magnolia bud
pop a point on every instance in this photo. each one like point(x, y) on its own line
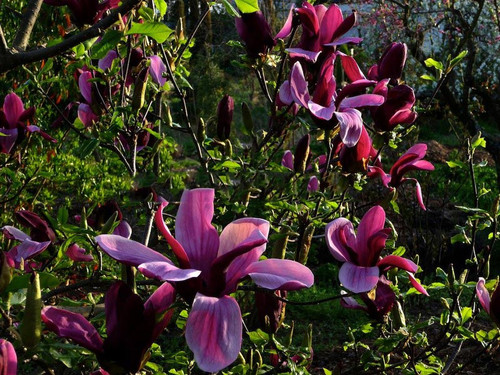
point(305, 244)
point(200, 131)
point(280, 244)
point(31, 326)
point(140, 89)
point(228, 148)
point(302, 152)
point(392, 62)
point(5, 272)
point(225, 111)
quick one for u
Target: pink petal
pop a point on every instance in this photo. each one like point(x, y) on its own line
point(298, 85)
point(358, 279)
point(419, 149)
point(330, 22)
point(344, 40)
point(285, 95)
point(364, 100)
point(85, 86)
point(287, 27)
point(157, 69)
point(324, 113)
point(313, 184)
point(280, 274)
point(160, 304)
point(166, 271)
point(8, 358)
point(417, 285)
point(107, 61)
point(377, 171)
point(351, 67)
point(345, 26)
point(351, 303)
point(351, 126)
point(77, 254)
point(86, 115)
point(299, 53)
point(14, 234)
point(13, 107)
point(73, 326)
point(193, 228)
point(483, 295)
point(213, 331)
point(340, 233)
point(391, 261)
point(26, 250)
point(123, 229)
point(127, 251)
point(287, 160)
point(372, 223)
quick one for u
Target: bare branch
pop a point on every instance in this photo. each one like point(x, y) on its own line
point(3, 43)
point(29, 18)
point(10, 61)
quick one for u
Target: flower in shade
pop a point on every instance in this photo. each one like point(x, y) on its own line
point(131, 327)
point(8, 358)
point(14, 122)
point(77, 254)
point(105, 212)
point(409, 161)
point(255, 32)
point(378, 304)
point(27, 249)
point(218, 263)
point(360, 253)
point(355, 159)
point(490, 304)
point(225, 110)
point(39, 228)
point(85, 12)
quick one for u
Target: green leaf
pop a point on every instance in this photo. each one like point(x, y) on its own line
point(455, 164)
point(247, 6)
point(156, 30)
point(107, 43)
point(230, 9)
point(430, 62)
point(161, 5)
point(466, 313)
point(62, 215)
point(258, 337)
point(428, 77)
point(86, 148)
point(478, 141)
point(457, 59)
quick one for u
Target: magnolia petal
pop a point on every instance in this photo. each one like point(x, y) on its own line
point(8, 139)
point(351, 67)
point(240, 230)
point(313, 184)
point(358, 279)
point(351, 126)
point(299, 53)
point(483, 295)
point(8, 358)
point(157, 69)
point(344, 40)
point(194, 229)
point(287, 160)
point(77, 254)
point(13, 107)
point(345, 26)
point(26, 250)
point(160, 305)
point(414, 282)
point(391, 261)
point(13, 233)
point(280, 274)
point(364, 100)
point(213, 331)
point(85, 86)
point(123, 229)
point(127, 251)
point(165, 271)
point(338, 234)
point(420, 149)
point(298, 85)
point(86, 115)
point(351, 303)
point(330, 22)
point(73, 326)
point(287, 27)
point(324, 113)
point(285, 95)
point(371, 223)
point(377, 171)
point(107, 61)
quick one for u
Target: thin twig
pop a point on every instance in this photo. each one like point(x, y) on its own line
point(195, 30)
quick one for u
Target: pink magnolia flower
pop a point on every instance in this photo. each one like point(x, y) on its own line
point(218, 264)
point(361, 253)
point(27, 249)
point(77, 254)
point(8, 358)
point(409, 161)
point(391, 63)
point(131, 327)
point(490, 304)
point(85, 12)
point(14, 122)
point(355, 159)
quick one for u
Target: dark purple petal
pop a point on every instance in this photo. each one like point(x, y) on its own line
point(159, 304)
point(280, 274)
point(106, 61)
point(287, 27)
point(86, 115)
point(14, 234)
point(8, 140)
point(371, 224)
point(330, 22)
point(351, 67)
point(73, 326)
point(392, 62)
point(299, 53)
point(213, 331)
point(358, 279)
point(345, 26)
point(313, 184)
point(287, 160)
point(255, 32)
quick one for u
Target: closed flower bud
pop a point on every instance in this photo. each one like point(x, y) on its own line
point(255, 32)
point(31, 326)
point(302, 152)
point(391, 63)
point(140, 89)
point(225, 111)
point(5, 272)
point(305, 244)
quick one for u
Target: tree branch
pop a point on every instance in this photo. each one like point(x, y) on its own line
point(13, 60)
point(29, 18)
point(3, 43)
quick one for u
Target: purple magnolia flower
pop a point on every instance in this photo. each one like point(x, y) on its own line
point(85, 12)
point(39, 228)
point(355, 159)
point(27, 249)
point(14, 122)
point(377, 306)
point(77, 254)
point(361, 253)
point(391, 64)
point(313, 184)
point(322, 28)
point(225, 110)
point(409, 161)
point(326, 102)
point(212, 266)
point(8, 358)
point(490, 304)
point(131, 327)
point(255, 32)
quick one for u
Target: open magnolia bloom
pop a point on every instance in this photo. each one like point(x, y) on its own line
point(131, 327)
point(490, 304)
point(361, 253)
point(27, 249)
point(218, 264)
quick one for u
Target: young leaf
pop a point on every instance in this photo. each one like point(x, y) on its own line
point(457, 59)
point(161, 5)
point(156, 30)
point(247, 6)
point(107, 43)
point(430, 62)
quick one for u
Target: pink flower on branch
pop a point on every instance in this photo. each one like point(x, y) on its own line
point(409, 161)
point(490, 304)
point(361, 253)
point(211, 266)
point(8, 358)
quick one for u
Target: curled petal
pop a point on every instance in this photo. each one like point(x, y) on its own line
point(13, 107)
point(351, 126)
point(157, 69)
point(26, 250)
point(285, 95)
point(73, 326)
point(358, 279)
point(344, 40)
point(280, 274)
point(166, 271)
point(391, 261)
point(324, 113)
point(213, 331)
point(339, 235)
point(299, 53)
point(159, 304)
point(123, 229)
point(77, 254)
point(483, 295)
point(8, 358)
point(417, 285)
point(14, 234)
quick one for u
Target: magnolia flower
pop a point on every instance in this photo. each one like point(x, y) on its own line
point(131, 327)
point(225, 110)
point(391, 63)
point(355, 159)
point(361, 253)
point(490, 304)
point(409, 161)
point(255, 32)
point(218, 264)
point(27, 249)
point(85, 12)
point(77, 254)
point(8, 358)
